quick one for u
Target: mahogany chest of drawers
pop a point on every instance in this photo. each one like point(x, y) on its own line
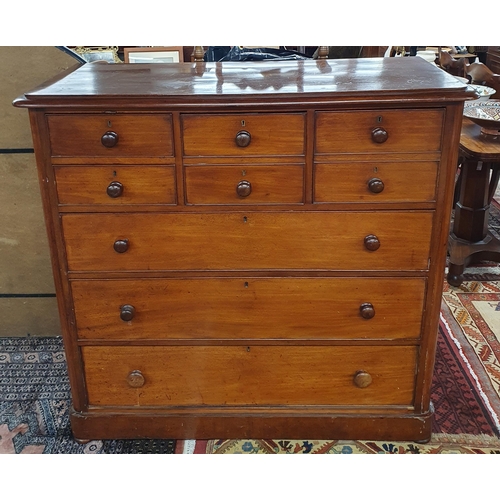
point(249, 249)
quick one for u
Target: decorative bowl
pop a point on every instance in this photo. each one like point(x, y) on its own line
point(485, 114)
point(482, 91)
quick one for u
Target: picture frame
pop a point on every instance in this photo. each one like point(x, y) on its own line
point(153, 54)
point(93, 54)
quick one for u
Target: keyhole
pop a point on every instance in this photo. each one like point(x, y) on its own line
point(248, 349)
point(114, 173)
point(109, 123)
point(242, 123)
point(243, 173)
point(375, 169)
point(379, 119)
point(245, 219)
point(246, 284)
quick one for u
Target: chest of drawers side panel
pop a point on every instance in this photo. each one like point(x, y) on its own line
point(445, 190)
point(58, 257)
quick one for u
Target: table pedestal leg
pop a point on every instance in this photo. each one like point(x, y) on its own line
point(470, 241)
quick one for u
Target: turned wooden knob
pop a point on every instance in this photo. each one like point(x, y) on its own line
point(379, 135)
point(135, 378)
point(372, 243)
point(115, 189)
point(362, 379)
point(243, 138)
point(243, 189)
point(109, 139)
point(376, 185)
point(367, 310)
point(127, 312)
point(120, 246)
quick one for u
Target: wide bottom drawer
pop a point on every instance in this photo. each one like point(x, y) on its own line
point(249, 308)
point(249, 375)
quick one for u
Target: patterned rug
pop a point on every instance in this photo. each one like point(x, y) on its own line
point(35, 401)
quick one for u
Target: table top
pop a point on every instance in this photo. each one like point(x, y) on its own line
point(478, 146)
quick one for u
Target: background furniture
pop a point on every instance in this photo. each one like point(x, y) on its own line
point(241, 250)
point(470, 240)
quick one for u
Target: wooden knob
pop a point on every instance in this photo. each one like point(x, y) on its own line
point(367, 310)
point(362, 379)
point(243, 189)
point(127, 312)
point(243, 138)
point(135, 378)
point(109, 139)
point(372, 243)
point(376, 185)
point(120, 246)
point(379, 135)
point(115, 189)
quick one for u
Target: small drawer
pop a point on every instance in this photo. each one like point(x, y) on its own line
point(375, 182)
point(244, 135)
point(239, 185)
point(391, 240)
point(109, 135)
point(249, 375)
point(115, 185)
point(249, 308)
point(408, 131)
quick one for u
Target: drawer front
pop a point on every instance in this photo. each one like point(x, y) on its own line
point(240, 185)
point(375, 182)
point(115, 185)
point(258, 240)
point(358, 131)
point(137, 135)
point(249, 308)
point(248, 376)
point(266, 134)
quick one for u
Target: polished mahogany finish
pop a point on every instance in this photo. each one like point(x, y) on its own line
point(259, 254)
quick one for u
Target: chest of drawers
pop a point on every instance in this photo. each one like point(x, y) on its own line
point(249, 250)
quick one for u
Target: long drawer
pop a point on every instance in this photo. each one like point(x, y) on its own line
point(381, 131)
point(256, 240)
point(111, 135)
point(249, 308)
point(115, 185)
point(249, 376)
point(244, 134)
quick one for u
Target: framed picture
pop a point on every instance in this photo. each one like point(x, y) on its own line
point(93, 54)
point(153, 54)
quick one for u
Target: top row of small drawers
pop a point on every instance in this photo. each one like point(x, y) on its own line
point(259, 134)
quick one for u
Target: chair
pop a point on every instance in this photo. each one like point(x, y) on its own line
point(482, 75)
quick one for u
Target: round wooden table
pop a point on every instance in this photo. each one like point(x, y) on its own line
point(470, 240)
